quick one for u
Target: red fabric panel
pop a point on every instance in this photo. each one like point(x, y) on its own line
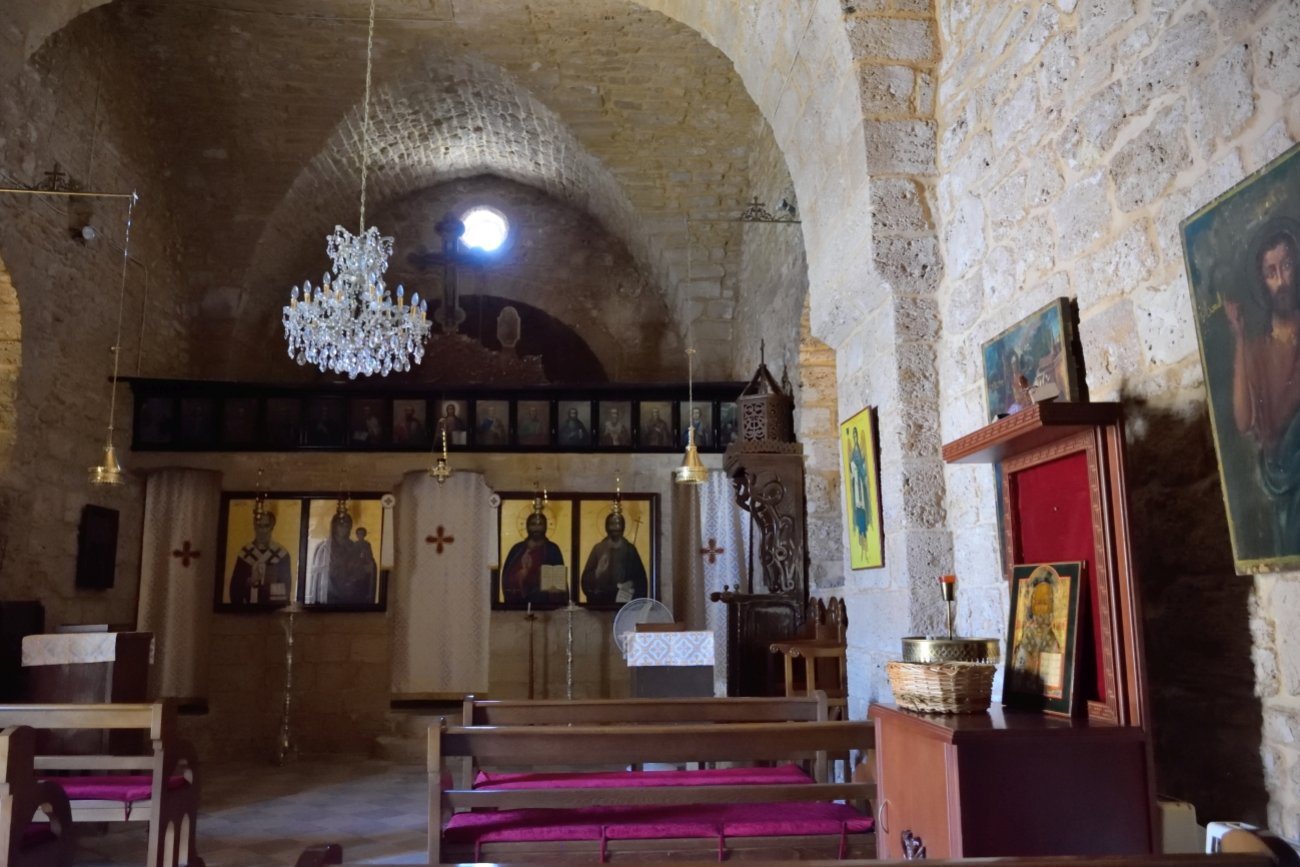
point(612, 779)
point(1053, 513)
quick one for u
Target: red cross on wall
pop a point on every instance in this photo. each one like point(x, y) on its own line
point(440, 540)
point(712, 551)
point(186, 554)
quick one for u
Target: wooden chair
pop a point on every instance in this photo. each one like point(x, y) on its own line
point(823, 651)
point(160, 787)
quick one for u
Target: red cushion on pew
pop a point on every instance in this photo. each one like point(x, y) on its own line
point(128, 789)
point(613, 779)
point(656, 822)
point(530, 824)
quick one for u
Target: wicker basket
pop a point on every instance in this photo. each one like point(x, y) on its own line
point(942, 687)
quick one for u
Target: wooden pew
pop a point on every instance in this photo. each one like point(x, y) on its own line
point(1238, 859)
point(160, 787)
point(644, 711)
point(652, 711)
point(1258, 848)
point(695, 817)
point(22, 798)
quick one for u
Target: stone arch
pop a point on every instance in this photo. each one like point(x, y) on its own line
point(11, 353)
point(867, 79)
point(499, 129)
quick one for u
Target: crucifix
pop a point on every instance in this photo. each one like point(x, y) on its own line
point(449, 315)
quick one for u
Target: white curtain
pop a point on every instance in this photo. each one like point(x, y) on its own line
point(724, 548)
point(178, 564)
point(441, 592)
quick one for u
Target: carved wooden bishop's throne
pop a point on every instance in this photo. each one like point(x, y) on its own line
point(766, 469)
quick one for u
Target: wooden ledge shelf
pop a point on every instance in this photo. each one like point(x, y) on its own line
point(1030, 428)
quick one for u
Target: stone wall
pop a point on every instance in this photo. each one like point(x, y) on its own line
point(1073, 138)
point(63, 307)
point(817, 420)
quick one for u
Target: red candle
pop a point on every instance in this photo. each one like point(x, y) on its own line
point(948, 579)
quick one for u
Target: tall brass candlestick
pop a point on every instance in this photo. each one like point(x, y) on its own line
point(531, 618)
point(284, 748)
point(568, 653)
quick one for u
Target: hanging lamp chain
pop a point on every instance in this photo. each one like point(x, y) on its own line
point(121, 305)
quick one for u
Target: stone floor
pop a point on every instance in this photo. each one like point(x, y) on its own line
point(263, 816)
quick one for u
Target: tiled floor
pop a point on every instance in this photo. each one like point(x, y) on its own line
point(260, 816)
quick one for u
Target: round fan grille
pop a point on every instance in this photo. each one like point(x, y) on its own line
point(638, 611)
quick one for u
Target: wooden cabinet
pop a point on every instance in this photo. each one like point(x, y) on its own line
point(1018, 782)
point(1011, 783)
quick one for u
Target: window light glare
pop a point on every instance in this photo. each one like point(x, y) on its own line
point(485, 229)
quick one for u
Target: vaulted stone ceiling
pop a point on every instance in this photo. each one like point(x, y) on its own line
point(619, 111)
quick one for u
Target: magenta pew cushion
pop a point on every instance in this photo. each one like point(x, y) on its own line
point(129, 788)
point(657, 822)
point(614, 779)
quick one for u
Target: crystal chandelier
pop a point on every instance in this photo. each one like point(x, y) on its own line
point(351, 324)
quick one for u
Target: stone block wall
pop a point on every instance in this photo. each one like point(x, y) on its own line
point(1073, 137)
point(60, 305)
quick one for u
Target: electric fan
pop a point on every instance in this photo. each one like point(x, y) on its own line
point(638, 611)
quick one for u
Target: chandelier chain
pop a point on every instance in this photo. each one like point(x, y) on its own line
point(365, 118)
point(350, 323)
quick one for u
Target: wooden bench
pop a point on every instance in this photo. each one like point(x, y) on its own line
point(22, 798)
point(651, 711)
point(160, 787)
point(579, 816)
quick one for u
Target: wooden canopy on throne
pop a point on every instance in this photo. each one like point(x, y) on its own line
point(766, 470)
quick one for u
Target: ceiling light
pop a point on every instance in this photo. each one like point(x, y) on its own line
point(691, 472)
point(109, 470)
point(351, 324)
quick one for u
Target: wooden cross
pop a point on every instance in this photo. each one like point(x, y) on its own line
point(440, 540)
point(712, 551)
point(186, 554)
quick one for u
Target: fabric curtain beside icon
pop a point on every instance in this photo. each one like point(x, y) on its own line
point(178, 562)
point(445, 542)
